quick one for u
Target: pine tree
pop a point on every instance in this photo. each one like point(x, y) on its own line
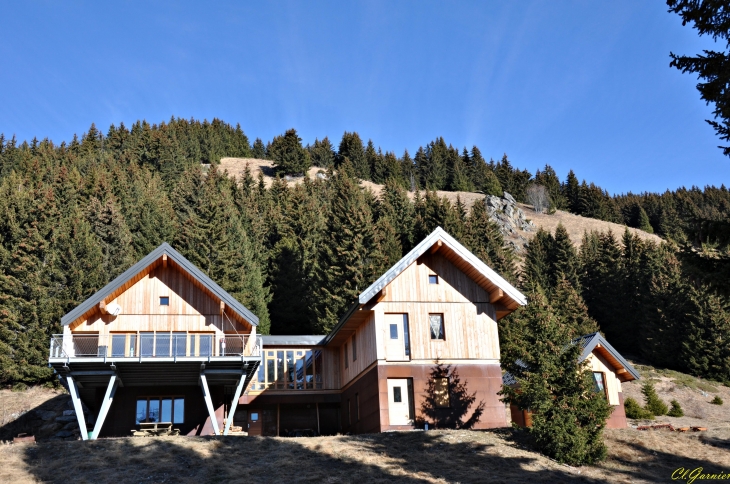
point(348, 259)
point(536, 271)
point(564, 262)
point(108, 224)
point(460, 179)
point(571, 191)
point(259, 150)
point(484, 239)
point(568, 417)
point(288, 154)
point(322, 153)
point(652, 401)
point(571, 309)
point(643, 221)
point(705, 348)
point(351, 148)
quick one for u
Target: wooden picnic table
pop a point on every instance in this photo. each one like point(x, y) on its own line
point(149, 429)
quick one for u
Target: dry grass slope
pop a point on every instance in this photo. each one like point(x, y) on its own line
point(409, 457)
point(575, 224)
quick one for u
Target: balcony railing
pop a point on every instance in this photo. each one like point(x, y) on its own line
point(153, 345)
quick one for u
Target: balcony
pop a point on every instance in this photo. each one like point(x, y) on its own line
point(153, 345)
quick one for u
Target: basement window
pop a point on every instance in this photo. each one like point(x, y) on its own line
point(432, 279)
point(164, 301)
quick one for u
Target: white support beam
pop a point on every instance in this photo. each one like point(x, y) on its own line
point(111, 389)
point(74, 391)
point(234, 403)
point(209, 403)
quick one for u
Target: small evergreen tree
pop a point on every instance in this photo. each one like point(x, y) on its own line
point(676, 410)
point(635, 411)
point(717, 400)
point(652, 401)
point(259, 150)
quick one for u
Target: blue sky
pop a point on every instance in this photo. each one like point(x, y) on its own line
point(581, 85)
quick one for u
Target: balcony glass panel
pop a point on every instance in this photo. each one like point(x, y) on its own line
point(162, 344)
point(179, 344)
point(147, 344)
point(119, 344)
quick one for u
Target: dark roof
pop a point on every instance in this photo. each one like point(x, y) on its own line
point(590, 341)
point(587, 343)
point(295, 340)
point(150, 258)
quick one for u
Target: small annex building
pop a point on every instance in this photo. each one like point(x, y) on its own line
point(609, 369)
point(164, 344)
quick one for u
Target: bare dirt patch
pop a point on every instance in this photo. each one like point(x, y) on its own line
point(14, 404)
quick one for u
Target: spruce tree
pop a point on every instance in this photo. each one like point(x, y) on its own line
point(108, 224)
point(348, 259)
point(351, 148)
point(568, 416)
point(259, 150)
point(322, 153)
point(571, 191)
point(564, 262)
point(288, 154)
point(484, 239)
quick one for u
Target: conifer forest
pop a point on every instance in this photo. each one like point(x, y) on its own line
point(75, 215)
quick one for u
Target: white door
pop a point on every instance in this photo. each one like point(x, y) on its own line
point(398, 404)
point(397, 346)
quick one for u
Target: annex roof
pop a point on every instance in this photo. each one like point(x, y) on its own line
point(590, 343)
point(140, 267)
point(596, 342)
point(292, 340)
point(501, 291)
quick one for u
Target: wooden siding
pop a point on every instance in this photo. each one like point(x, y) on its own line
point(470, 330)
point(613, 384)
point(190, 307)
point(453, 286)
point(366, 351)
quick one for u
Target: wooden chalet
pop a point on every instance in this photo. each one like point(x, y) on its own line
point(187, 353)
point(609, 369)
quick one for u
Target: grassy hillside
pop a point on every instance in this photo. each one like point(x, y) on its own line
point(575, 224)
point(410, 457)
point(429, 457)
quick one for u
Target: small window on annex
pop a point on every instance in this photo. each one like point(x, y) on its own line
point(432, 279)
point(346, 364)
point(599, 382)
point(164, 301)
point(436, 323)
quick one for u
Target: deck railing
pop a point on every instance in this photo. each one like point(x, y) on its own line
point(153, 345)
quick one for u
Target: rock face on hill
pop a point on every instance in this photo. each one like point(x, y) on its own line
point(510, 218)
point(55, 419)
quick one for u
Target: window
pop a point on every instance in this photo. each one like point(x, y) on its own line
point(354, 349)
point(146, 344)
point(397, 396)
point(179, 344)
point(160, 409)
point(357, 407)
point(436, 321)
point(205, 345)
point(119, 344)
point(433, 279)
point(290, 369)
point(349, 414)
point(164, 301)
point(599, 382)
point(393, 331)
point(254, 416)
point(162, 344)
point(346, 366)
point(406, 339)
point(441, 392)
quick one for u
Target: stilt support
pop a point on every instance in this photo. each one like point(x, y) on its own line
point(209, 403)
point(74, 391)
point(111, 389)
point(234, 403)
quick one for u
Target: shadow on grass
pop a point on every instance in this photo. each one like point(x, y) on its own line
point(408, 457)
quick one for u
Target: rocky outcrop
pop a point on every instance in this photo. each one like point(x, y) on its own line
point(510, 219)
point(54, 419)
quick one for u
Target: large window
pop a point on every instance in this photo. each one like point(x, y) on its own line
point(290, 370)
point(160, 409)
point(123, 345)
point(436, 323)
point(354, 349)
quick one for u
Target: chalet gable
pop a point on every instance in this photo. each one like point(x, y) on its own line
point(501, 293)
point(597, 344)
point(162, 256)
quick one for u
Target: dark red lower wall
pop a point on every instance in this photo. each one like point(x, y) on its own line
point(617, 420)
point(484, 380)
point(362, 396)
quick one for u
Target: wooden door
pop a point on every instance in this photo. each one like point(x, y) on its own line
point(399, 407)
point(397, 344)
point(254, 421)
